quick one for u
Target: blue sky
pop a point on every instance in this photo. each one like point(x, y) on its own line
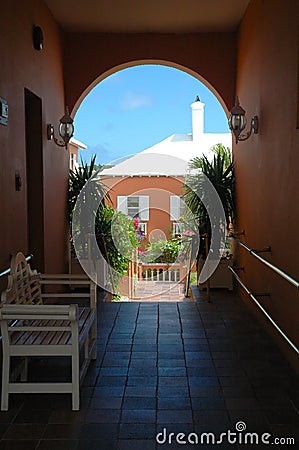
point(138, 107)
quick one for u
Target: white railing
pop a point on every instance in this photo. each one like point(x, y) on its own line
point(162, 272)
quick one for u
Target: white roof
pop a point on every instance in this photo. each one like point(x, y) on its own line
point(169, 157)
point(78, 144)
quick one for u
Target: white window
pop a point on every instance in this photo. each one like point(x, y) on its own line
point(175, 207)
point(135, 206)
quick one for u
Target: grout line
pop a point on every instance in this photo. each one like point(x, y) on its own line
point(127, 376)
point(187, 376)
point(105, 351)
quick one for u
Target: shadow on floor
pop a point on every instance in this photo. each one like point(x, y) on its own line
point(165, 367)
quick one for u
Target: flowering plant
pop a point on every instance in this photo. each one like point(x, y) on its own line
point(138, 230)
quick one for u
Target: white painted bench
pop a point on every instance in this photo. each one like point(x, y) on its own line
point(36, 322)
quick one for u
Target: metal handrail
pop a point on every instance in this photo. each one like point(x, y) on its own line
point(6, 271)
point(264, 311)
point(268, 264)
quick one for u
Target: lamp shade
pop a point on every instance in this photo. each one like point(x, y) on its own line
point(237, 122)
point(66, 127)
point(237, 119)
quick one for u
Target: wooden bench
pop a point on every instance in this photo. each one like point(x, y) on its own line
point(36, 322)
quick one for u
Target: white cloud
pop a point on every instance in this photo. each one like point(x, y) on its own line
point(131, 100)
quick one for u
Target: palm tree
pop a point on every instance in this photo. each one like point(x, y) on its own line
point(220, 171)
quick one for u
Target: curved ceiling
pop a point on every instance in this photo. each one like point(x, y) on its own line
point(144, 16)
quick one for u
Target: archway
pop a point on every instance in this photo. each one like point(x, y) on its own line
point(140, 62)
point(190, 139)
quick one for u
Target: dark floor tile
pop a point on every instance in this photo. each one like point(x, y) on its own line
point(173, 391)
point(249, 403)
point(142, 381)
point(201, 372)
point(238, 391)
point(138, 416)
point(171, 355)
point(62, 431)
point(97, 444)
point(112, 381)
point(142, 371)
point(105, 403)
point(136, 444)
point(234, 381)
point(174, 403)
point(137, 431)
point(140, 391)
point(113, 371)
point(98, 431)
point(143, 363)
point(8, 416)
point(170, 416)
point(205, 391)
point(3, 429)
point(102, 416)
point(22, 431)
point(212, 417)
point(67, 416)
point(206, 403)
point(173, 381)
point(175, 363)
point(172, 372)
point(203, 381)
point(139, 403)
point(108, 391)
point(18, 444)
point(27, 416)
point(144, 355)
point(145, 348)
point(51, 444)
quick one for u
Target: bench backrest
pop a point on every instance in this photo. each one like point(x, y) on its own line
point(24, 286)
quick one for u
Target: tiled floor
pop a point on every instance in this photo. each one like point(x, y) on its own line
point(184, 367)
point(157, 291)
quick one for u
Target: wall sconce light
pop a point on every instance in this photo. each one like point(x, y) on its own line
point(237, 122)
point(66, 130)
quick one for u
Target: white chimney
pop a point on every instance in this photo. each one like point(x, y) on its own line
point(197, 119)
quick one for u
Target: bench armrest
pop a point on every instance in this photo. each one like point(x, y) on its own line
point(26, 312)
point(69, 279)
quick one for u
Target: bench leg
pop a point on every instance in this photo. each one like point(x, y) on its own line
point(75, 369)
point(93, 339)
point(5, 380)
point(86, 348)
point(75, 383)
point(24, 372)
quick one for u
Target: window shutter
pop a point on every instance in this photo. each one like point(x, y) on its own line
point(144, 207)
point(175, 207)
point(122, 204)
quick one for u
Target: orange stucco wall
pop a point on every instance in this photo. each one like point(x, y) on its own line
point(210, 56)
point(267, 164)
point(159, 189)
point(41, 73)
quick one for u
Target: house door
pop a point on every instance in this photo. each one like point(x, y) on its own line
point(34, 171)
